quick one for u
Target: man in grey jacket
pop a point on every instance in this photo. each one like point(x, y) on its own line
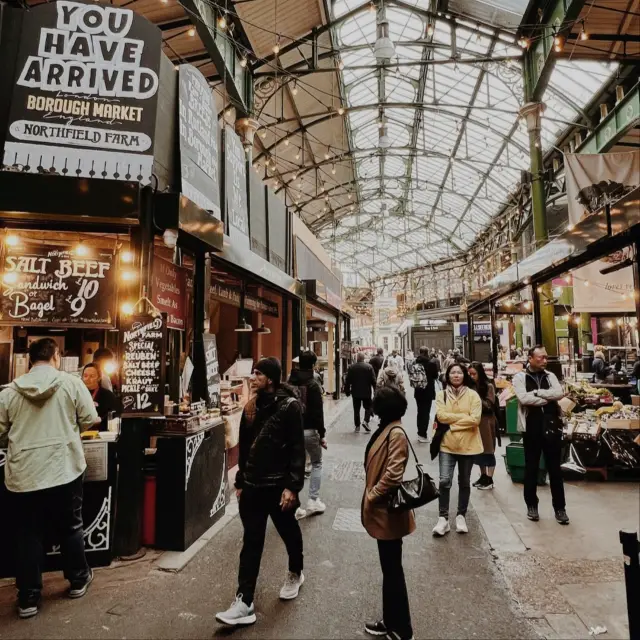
point(539, 419)
point(42, 414)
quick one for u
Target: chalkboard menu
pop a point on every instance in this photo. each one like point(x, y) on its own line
point(213, 373)
point(43, 286)
point(236, 183)
point(198, 140)
point(168, 292)
point(143, 362)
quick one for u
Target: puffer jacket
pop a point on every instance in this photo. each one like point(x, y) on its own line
point(271, 442)
point(311, 396)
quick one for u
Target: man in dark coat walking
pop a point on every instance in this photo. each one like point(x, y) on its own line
point(360, 384)
point(377, 361)
point(426, 394)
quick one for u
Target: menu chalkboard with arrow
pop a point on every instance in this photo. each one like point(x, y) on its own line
point(213, 373)
point(143, 365)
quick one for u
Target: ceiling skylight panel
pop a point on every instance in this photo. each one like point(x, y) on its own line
point(357, 30)
point(363, 93)
point(398, 89)
point(394, 166)
point(341, 7)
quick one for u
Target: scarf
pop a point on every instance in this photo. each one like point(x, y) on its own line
point(374, 436)
point(453, 395)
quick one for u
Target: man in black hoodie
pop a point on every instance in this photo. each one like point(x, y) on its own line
point(269, 478)
point(425, 392)
point(314, 431)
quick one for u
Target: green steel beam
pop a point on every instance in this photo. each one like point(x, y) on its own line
point(623, 117)
point(539, 58)
point(237, 79)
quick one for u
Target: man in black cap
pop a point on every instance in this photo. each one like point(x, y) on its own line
point(270, 476)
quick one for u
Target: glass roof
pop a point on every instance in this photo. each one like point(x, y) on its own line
point(456, 146)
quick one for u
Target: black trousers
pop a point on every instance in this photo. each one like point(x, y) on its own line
point(536, 443)
point(361, 402)
point(423, 402)
point(57, 511)
point(395, 600)
point(256, 505)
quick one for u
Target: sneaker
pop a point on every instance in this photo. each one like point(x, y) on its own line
point(532, 514)
point(376, 628)
point(301, 513)
point(315, 507)
point(238, 613)
point(77, 590)
point(394, 635)
point(562, 517)
point(479, 481)
point(423, 440)
point(487, 484)
point(461, 524)
point(442, 527)
point(357, 430)
point(366, 427)
point(28, 607)
point(291, 587)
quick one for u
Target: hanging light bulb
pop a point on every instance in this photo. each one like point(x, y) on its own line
point(127, 308)
point(276, 47)
point(372, 7)
point(584, 35)
point(12, 241)
point(11, 277)
point(243, 62)
point(341, 65)
point(263, 134)
point(570, 227)
point(294, 89)
point(430, 29)
point(340, 111)
point(558, 43)
point(327, 153)
point(524, 43)
point(126, 257)
point(81, 249)
point(333, 169)
point(286, 142)
point(191, 32)
point(298, 155)
point(222, 22)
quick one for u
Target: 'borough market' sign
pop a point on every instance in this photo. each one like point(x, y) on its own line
point(53, 286)
point(84, 100)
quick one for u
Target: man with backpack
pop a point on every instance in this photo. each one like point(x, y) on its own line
point(423, 376)
point(314, 431)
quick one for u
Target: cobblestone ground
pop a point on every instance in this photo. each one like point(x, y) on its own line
point(455, 588)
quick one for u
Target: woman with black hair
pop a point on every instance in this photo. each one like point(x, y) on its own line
point(459, 407)
point(487, 459)
point(104, 400)
point(386, 458)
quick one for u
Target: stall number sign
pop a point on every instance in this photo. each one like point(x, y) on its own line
point(84, 101)
point(213, 373)
point(143, 360)
point(53, 286)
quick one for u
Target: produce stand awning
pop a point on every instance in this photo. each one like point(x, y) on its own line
point(589, 240)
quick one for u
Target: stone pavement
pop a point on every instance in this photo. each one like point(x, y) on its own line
point(508, 578)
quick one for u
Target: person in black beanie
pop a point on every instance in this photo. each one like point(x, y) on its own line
point(269, 479)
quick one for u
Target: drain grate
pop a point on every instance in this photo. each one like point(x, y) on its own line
point(348, 520)
point(348, 471)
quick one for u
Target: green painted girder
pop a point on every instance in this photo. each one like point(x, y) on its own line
point(539, 59)
point(624, 116)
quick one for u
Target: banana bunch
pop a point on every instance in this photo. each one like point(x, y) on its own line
point(616, 406)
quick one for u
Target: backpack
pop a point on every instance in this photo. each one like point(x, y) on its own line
point(418, 377)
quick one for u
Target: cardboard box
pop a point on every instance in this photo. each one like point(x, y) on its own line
point(617, 423)
point(635, 401)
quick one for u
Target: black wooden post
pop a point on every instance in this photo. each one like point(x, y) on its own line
point(630, 551)
point(495, 338)
point(201, 284)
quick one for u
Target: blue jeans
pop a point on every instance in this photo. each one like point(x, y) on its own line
point(314, 449)
point(447, 467)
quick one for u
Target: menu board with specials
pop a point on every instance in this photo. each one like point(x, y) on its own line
point(143, 364)
point(213, 373)
point(168, 291)
point(43, 285)
point(236, 182)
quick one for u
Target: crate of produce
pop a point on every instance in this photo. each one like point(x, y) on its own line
point(512, 415)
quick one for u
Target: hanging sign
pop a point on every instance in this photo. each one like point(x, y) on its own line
point(236, 183)
point(233, 295)
point(42, 286)
point(168, 291)
point(142, 365)
point(592, 182)
point(198, 140)
point(213, 373)
point(85, 94)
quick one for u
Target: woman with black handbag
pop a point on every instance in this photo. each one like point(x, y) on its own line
point(386, 458)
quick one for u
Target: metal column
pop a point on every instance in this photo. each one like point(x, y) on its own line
point(495, 338)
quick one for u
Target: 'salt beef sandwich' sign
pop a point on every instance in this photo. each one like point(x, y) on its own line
point(84, 101)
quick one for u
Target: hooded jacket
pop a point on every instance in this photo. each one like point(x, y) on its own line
point(310, 394)
point(42, 413)
point(272, 452)
point(391, 377)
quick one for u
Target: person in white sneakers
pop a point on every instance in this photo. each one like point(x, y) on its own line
point(270, 476)
point(459, 407)
point(314, 431)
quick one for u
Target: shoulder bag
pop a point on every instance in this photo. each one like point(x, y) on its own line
point(415, 493)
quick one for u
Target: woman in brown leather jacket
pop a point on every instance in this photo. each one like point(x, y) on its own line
point(385, 461)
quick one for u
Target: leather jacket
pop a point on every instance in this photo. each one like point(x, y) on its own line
point(272, 452)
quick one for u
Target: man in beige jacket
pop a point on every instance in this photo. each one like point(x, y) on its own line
point(42, 414)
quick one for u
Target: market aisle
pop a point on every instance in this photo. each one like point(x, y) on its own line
point(455, 589)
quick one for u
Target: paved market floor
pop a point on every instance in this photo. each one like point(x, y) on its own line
point(462, 586)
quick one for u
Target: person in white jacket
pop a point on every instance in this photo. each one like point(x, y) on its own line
point(539, 419)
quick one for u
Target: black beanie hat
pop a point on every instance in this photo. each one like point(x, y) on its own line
point(271, 368)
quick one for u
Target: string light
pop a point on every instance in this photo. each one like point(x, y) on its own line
point(286, 142)
point(327, 154)
point(372, 7)
point(610, 324)
point(81, 250)
point(222, 23)
point(524, 43)
point(127, 308)
point(243, 62)
point(12, 241)
point(263, 134)
point(294, 89)
point(128, 276)
point(333, 169)
point(558, 43)
point(340, 111)
point(191, 32)
point(430, 29)
point(584, 35)
point(276, 47)
point(341, 65)
point(298, 155)
point(570, 227)
point(126, 257)
point(11, 277)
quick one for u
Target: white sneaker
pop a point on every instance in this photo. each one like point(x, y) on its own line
point(291, 587)
point(422, 440)
point(315, 506)
point(301, 513)
point(442, 527)
point(237, 613)
point(461, 525)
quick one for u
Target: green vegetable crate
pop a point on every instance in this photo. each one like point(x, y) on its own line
point(514, 459)
point(512, 420)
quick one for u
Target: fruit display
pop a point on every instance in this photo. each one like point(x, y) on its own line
point(584, 393)
point(619, 412)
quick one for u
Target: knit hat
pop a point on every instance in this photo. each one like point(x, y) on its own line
point(271, 368)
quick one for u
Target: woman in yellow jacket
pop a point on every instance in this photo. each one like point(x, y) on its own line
point(460, 407)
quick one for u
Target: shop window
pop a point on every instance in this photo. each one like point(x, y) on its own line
point(385, 343)
point(396, 342)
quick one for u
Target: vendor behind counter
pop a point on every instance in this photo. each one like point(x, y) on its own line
point(105, 401)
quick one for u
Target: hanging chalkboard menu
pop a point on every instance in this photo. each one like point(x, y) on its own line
point(44, 285)
point(235, 162)
point(143, 363)
point(213, 373)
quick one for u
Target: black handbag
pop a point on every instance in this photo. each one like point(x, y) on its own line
point(415, 493)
